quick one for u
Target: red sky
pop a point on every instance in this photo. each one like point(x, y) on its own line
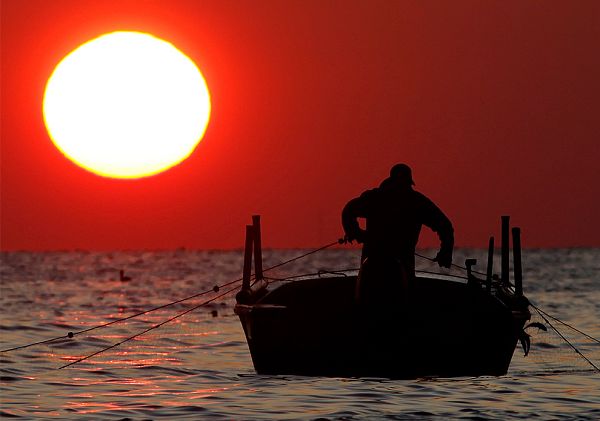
point(493, 104)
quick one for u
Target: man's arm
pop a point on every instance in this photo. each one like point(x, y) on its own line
point(353, 210)
point(435, 219)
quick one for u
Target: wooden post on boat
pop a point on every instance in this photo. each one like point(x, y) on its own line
point(517, 268)
point(258, 268)
point(247, 273)
point(504, 276)
point(490, 266)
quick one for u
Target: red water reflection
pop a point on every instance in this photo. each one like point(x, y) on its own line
point(93, 407)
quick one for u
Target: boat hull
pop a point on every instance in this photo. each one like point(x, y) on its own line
point(442, 328)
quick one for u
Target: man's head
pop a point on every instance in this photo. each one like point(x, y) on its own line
point(401, 173)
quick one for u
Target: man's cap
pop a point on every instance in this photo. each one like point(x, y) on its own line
point(402, 172)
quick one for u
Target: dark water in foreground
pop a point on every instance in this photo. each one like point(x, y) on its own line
point(199, 366)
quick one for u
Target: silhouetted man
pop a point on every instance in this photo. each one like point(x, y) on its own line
point(394, 215)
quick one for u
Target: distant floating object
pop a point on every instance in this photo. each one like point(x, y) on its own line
point(122, 276)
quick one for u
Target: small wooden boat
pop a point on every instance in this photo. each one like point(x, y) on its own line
point(312, 326)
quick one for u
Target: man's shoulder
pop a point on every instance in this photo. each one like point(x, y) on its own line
point(371, 193)
point(421, 198)
point(419, 195)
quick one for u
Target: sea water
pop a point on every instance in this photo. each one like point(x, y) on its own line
point(198, 365)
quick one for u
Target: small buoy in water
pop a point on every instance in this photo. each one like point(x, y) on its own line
point(122, 276)
point(70, 334)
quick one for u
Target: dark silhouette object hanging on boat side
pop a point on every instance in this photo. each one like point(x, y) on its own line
point(394, 215)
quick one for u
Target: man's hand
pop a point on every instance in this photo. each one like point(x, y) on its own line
point(444, 258)
point(359, 236)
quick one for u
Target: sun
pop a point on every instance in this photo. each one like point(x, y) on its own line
point(126, 105)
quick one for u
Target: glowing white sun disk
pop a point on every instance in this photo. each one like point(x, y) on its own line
point(126, 105)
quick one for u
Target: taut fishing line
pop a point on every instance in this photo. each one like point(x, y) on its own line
point(574, 346)
point(142, 321)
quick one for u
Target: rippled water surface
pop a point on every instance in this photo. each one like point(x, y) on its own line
point(199, 366)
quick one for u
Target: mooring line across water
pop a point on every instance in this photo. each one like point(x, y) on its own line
point(156, 326)
point(69, 335)
point(564, 323)
point(215, 289)
point(164, 322)
point(293, 259)
point(566, 340)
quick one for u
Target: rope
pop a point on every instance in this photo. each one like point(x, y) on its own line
point(566, 340)
point(342, 272)
point(442, 274)
point(564, 323)
point(216, 288)
point(149, 329)
point(304, 255)
point(456, 266)
point(190, 309)
point(71, 334)
point(339, 273)
point(542, 315)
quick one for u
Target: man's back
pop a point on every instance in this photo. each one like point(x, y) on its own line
point(395, 214)
point(394, 217)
